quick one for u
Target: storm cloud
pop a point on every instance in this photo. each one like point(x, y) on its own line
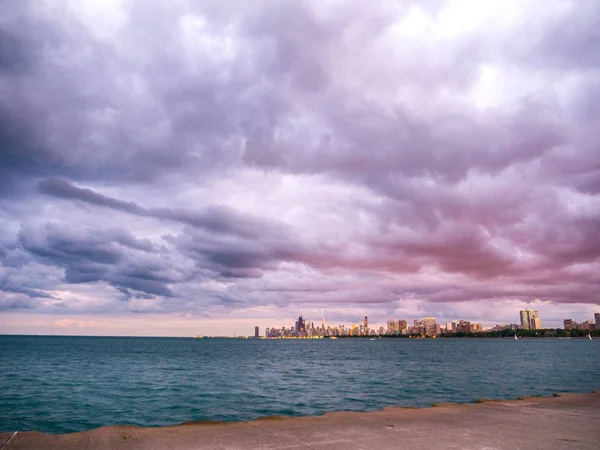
point(345, 158)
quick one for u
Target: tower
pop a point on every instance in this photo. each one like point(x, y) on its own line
point(300, 325)
point(429, 324)
point(366, 323)
point(530, 319)
point(256, 332)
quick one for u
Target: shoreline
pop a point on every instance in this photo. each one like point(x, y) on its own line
point(564, 420)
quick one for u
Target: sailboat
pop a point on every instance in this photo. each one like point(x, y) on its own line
point(516, 338)
point(589, 336)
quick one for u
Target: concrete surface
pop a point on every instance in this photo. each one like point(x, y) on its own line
point(567, 421)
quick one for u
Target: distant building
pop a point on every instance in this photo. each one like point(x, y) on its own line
point(402, 326)
point(476, 328)
point(528, 319)
point(392, 327)
point(429, 326)
point(588, 325)
point(256, 332)
point(366, 323)
point(597, 319)
point(300, 325)
point(417, 327)
point(569, 324)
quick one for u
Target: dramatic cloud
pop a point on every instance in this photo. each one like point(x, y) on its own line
point(200, 162)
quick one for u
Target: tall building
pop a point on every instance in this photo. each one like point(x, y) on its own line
point(401, 325)
point(463, 326)
point(569, 324)
point(300, 325)
point(454, 326)
point(256, 332)
point(597, 320)
point(429, 326)
point(530, 319)
point(366, 323)
point(392, 326)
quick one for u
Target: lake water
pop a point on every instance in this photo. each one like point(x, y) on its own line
point(64, 384)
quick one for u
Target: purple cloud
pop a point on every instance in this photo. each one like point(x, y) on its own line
point(208, 160)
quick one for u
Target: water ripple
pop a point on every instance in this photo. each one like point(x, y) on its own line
point(64, 384)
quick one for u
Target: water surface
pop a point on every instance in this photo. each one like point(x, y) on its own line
point(63, 384)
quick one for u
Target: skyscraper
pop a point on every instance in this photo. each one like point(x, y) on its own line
point(366, 323)
point(429, 326)
point(597, 319)
point(256, 332)
point(300, 325)
point(530, 319)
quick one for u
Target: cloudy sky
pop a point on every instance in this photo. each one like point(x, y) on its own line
point(201, 167)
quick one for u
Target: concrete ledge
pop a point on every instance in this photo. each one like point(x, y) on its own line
point(559, 422)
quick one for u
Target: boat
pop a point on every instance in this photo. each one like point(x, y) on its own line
point(516, 338)
point(589, 336)
point(372, 339)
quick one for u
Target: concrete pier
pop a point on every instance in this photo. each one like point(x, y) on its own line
point(566, 421)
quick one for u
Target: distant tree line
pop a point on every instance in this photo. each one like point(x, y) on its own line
point(546, 332)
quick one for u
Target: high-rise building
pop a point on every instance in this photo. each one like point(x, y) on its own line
point(569, 324)
point(392, 326)
point(530, 319)
point(256, 332)
point(366, 323)
point(401, 325)
point(597, 320)
point(429, 326)
point(463, 326)
point(300, 325)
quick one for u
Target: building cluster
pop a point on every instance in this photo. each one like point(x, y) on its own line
point(309, 329)
point(588, 325)
point(428, 326)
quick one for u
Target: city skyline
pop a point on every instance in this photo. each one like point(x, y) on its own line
point(428, 326)
point(204, 168)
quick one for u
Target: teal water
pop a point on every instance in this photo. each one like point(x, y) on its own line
point(64, 384)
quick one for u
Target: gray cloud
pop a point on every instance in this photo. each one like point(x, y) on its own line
point(271, 147)
point(92, 255)
point(218, 219)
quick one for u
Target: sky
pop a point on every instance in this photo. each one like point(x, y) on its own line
point(201, 167)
